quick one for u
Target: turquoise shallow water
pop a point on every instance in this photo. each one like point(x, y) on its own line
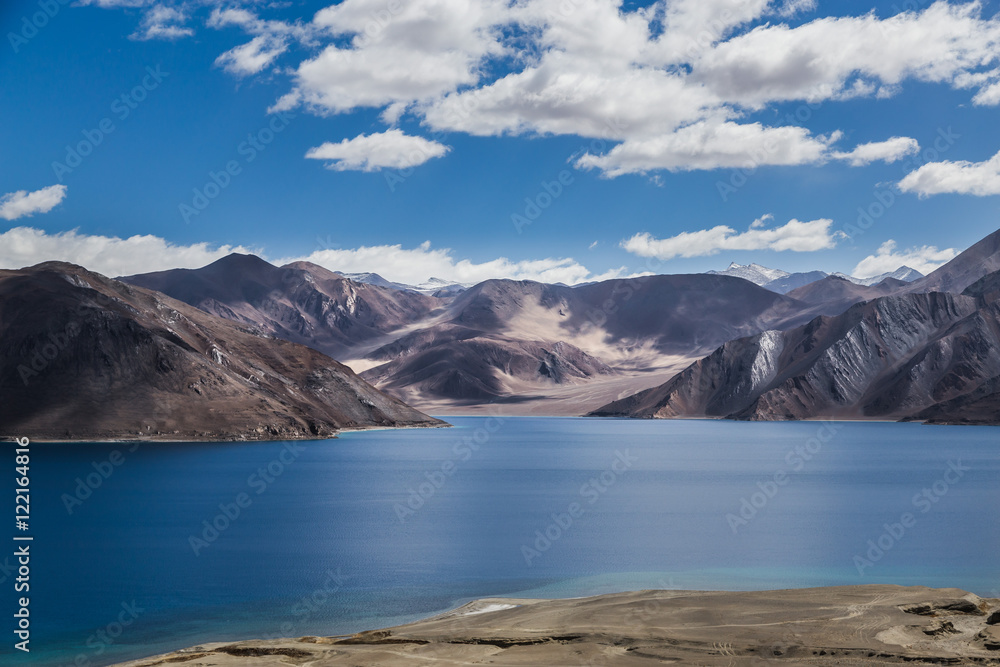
point(382, 527)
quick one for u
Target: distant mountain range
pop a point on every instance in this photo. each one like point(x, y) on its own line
point(500, 340)
point(783, 282)
point(911, 354)
point(433, 286)
point(214, 362)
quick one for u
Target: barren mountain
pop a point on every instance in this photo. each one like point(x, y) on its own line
point(792, 281)
point(86, 357)
point(893, 357)
point(511, 340)
point(300, 302)
point(968, 267)
point(500, 340)
point(835, 294)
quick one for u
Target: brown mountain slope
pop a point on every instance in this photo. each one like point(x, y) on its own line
point(503, 339)
point(833, 295)
point(86, 357)
point(968, 267)
point(300, 302)
point(892, 357)
point(500, 340)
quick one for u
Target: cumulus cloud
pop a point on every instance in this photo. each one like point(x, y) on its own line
point(252, 57)
point(112, 256)
point(22, 203)
point(967, 178)
point(416, 265)
point(710, 145)
point(794, 235)
point(418, 51)
point(371, 152)
point(163, 22)
point(889, 150)
point(793, 7)
point(669, 86)
point(924, 259)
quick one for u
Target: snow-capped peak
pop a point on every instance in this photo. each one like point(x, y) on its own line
point(755, 273)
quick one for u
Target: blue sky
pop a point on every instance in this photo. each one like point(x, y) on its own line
point(664, 121)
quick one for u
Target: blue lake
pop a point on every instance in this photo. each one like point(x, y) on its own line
point(382, 527)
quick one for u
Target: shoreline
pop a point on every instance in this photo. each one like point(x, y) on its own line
point(179, 439)
point(868, 624)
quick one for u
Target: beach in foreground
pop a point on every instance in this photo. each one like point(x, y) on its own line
point(849, 625)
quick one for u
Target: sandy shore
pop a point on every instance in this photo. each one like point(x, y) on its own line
point(850, 625)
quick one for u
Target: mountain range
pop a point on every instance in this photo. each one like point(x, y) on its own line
point(432, 287)
point(919, 352)
point(783, 282)
point(514, 342)
point(84, 357)
point(245, 349)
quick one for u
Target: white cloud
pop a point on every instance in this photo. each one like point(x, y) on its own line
point(253, 24)
point(372, 152)
point(967, 178)
point(889, 150)
point(109, 255)
point(112, 256)
point(421, 50)
point(670, 85)
point(709, 145)
point(924, 259)
point(762, 221)
point(793, 235)
point(826, 58)
point(163, 22)
point(22, 203)
point(416, 265)
point(793, 7)
point(253, 56)
point(988, 96)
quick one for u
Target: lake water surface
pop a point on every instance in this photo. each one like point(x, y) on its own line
point(381, 527)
